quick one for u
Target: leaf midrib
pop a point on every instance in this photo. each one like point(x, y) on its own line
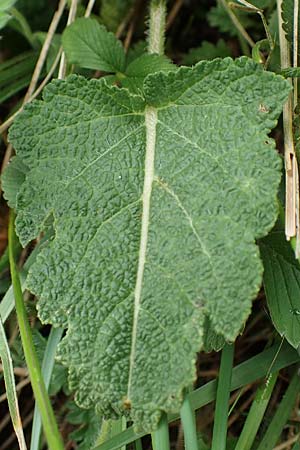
point(150, 123)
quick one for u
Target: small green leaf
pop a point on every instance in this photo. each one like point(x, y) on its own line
point(282, 285)
point(208, 51)
point(4, 18)
point(212, 340)
point(135, 51)
point(6, 4)
point(157, 202)
point(88, 44)
point(146, 64)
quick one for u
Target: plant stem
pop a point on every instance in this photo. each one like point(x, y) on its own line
point(256, 413)
point(160, 437)
point(282, 414)
point(48, 419)
point(187, 415)
point(223, 393)
point(157, 26)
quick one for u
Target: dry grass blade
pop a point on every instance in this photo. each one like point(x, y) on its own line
point(173, 13)
point(11, 392)
point(45, 49)
point(63, 63)
point(291, 166)
point(89, 8)
point(287, 444)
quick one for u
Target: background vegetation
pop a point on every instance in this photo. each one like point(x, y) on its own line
point(195, 31)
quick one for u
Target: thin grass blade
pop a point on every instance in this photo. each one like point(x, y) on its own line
point(160, 437)
point(282, 414)
point(223, 394)
point(256, 413)
point(47, 368)
point(138, 444)
point(188, 420)
point(10, 386)
point(49, 423)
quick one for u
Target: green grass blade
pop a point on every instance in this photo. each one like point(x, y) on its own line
point(138, 444)
point(20, 69)
point(10, 386)
point(8, 302)
point(160, 437)
point(223, 394)
point(21, 25)
point(188, 420)
point(268, 361)
point(282, 414)
point(14, 87)
point(124, 438)
point(256, 413)
point(47, 368)
point(259, 366)
point(111, 428)
point(4, 262)
point(48, 419)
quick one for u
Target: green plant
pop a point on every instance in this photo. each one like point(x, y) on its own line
point(154, 184)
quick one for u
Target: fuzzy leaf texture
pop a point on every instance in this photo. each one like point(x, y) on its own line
point(157, 202)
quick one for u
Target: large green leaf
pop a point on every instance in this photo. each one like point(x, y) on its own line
point(282, 285)
point(157, 202)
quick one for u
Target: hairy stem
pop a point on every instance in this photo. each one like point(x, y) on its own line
point(38, 386)
point(157, 26)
